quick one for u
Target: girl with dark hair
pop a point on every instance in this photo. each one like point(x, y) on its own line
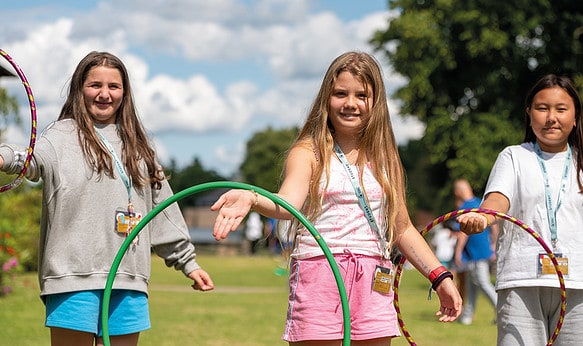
point(539, 182)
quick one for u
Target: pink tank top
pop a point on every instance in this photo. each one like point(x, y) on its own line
point(342, 223)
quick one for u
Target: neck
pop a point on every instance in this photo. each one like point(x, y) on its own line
point(350, 149)
point(553, 148)
point(347, 144)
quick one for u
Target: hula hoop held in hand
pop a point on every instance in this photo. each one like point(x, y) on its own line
point(233, 185)
point(20, 176)
point(515, 221)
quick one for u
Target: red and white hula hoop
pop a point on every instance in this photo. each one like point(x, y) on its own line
point(515, 221)
point(30, 148)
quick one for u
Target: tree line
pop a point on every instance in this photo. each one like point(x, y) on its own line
point(467, 64)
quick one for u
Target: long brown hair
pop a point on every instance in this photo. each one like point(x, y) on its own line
point(135, 144)
point(378, 144)
point(575, 138)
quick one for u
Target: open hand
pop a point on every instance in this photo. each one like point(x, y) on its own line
point(233, 206)
point(450, 301)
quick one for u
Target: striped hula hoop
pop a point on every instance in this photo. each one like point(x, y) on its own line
point(32, 105)
point(515, 221)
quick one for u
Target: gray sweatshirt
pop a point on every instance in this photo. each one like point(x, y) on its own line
point(78, 241)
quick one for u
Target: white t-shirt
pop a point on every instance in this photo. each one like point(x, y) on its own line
point(254, 227)
point(518, 176)
point(444, 243)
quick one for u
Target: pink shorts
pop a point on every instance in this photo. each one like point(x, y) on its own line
point(315, 309)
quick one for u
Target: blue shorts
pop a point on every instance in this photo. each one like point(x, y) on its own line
point(128, 311)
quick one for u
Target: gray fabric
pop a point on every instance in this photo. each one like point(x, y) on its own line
point(78, 242)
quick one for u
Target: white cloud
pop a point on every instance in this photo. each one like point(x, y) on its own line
point(290, 44)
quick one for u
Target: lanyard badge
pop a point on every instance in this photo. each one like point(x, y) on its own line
point(125, 219)
point(363, 203)
point(546, 267)
point(382, 280)
point(552, 210)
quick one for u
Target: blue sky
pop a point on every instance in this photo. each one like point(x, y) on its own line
point(206, 75)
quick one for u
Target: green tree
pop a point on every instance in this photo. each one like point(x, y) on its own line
point(193, 174)
point(266, 152)
point(468, 65)
point(8, 110)
point(8, 106)
point(20, 207)
point(21, 213)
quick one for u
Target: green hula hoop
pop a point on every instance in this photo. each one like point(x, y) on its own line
point(209, 186)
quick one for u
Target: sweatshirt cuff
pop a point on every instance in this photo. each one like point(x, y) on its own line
point(190, 267)
point(7, 154)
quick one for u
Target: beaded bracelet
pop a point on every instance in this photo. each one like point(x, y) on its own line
point(256, 199)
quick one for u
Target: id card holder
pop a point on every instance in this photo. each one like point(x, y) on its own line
point(546, 266)
point(383, 279)
point(125, 221)
point(122, 221)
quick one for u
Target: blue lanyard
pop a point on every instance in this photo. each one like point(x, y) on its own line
point(552, 212)
point(122, 173)
point(362, 201)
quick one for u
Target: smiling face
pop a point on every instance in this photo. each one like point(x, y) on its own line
point(103, 94)
point(552, 118)
point(349, 104)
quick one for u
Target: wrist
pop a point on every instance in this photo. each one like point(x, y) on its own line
point(255, 199)
point(446, 274)
point(489, 219)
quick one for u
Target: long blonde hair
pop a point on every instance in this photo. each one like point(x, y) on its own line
point(378, 145)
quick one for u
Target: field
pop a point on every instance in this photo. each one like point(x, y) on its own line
point(247, 307)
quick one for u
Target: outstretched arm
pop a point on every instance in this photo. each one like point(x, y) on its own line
point(471, 223)
point(234, 205)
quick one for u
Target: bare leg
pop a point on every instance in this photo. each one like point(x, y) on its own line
point(120, 340)
point(65, 337)
point(370, 342)
point(317, 343)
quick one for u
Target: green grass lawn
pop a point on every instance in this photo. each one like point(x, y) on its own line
point(247, 307)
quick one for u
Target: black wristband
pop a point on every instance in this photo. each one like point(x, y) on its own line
point(440, 278)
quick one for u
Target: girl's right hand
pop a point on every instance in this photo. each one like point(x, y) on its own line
point(233, 206)
point(472, 222)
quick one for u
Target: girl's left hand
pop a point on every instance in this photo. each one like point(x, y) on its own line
point(450, 301)
point(202, 280)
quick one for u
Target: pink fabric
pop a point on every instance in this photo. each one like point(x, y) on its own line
point(315, 310)
point(342, 223)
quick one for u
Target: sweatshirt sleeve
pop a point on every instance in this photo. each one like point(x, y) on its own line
point(14, 157)
point(169, 234)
